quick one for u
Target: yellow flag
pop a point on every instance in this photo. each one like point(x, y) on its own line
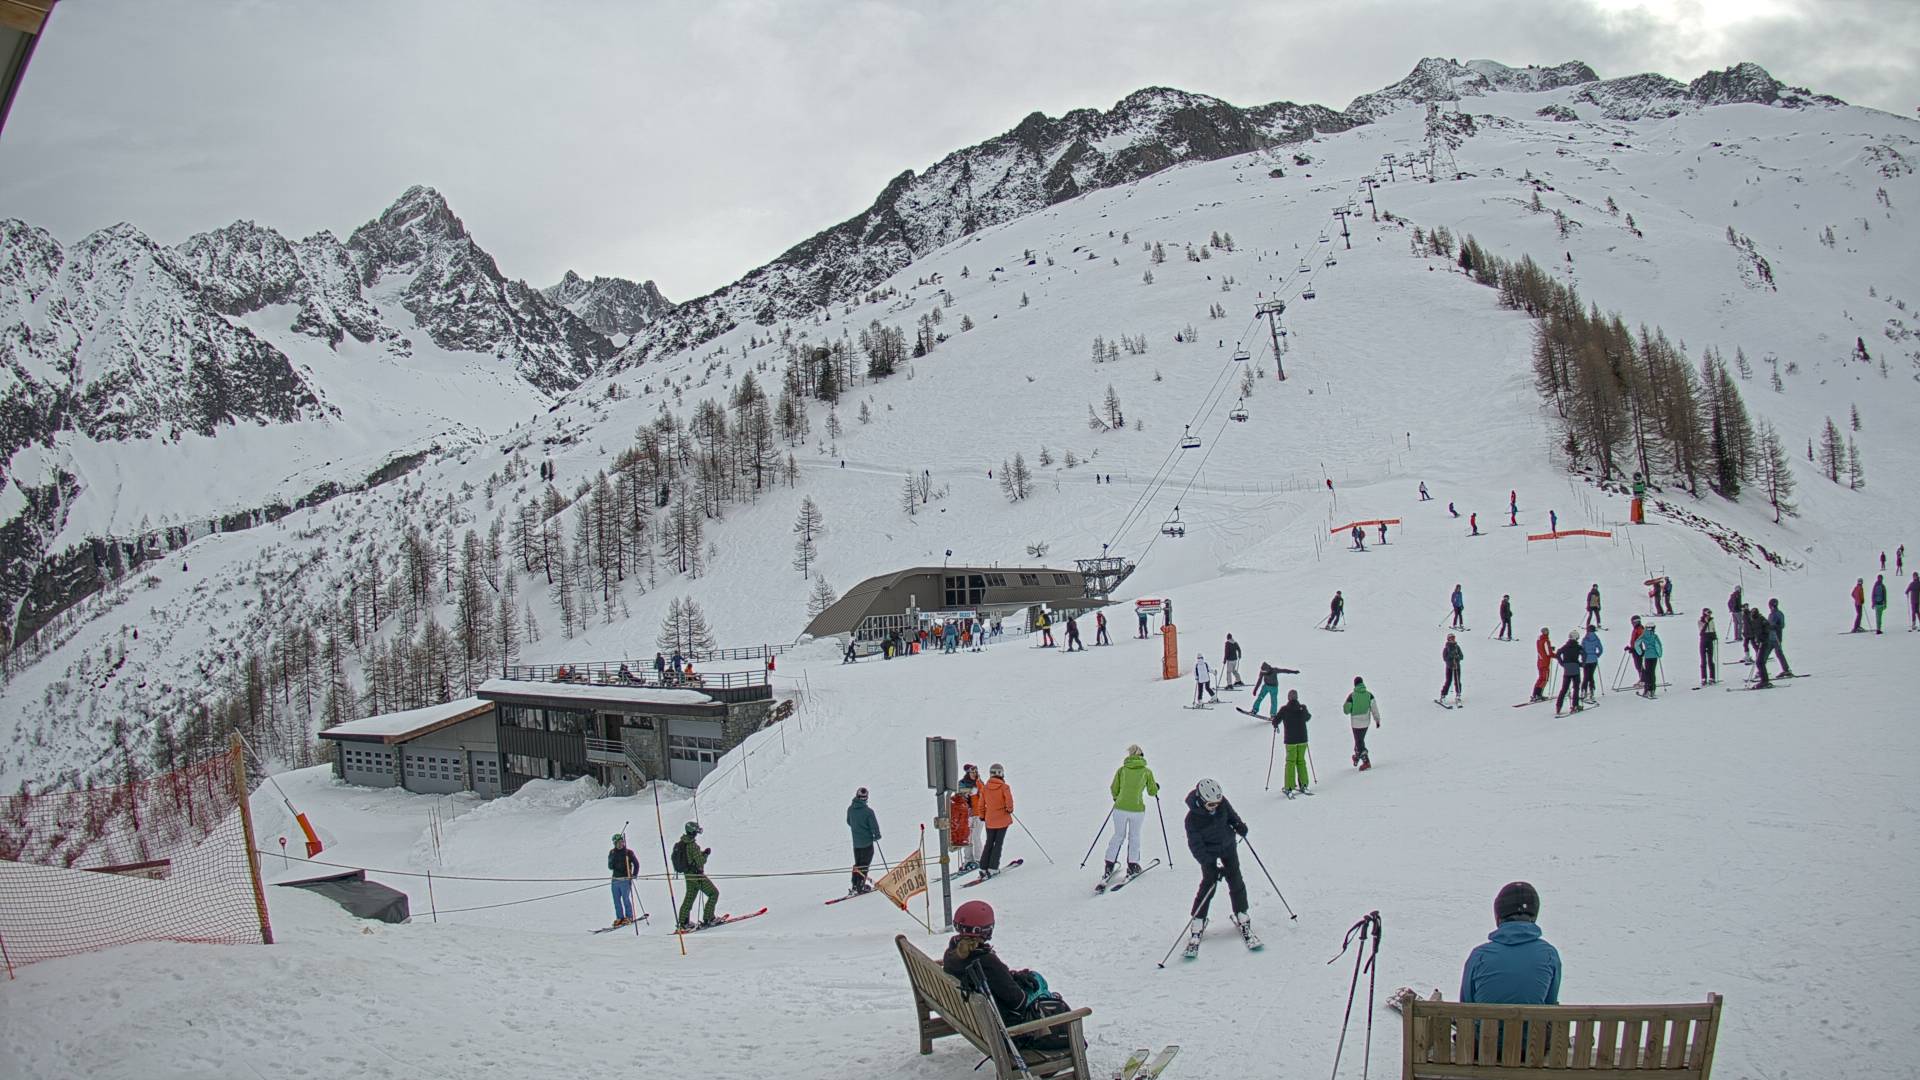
point(905, 881)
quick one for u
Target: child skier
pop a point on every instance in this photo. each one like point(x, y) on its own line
point(1450, 658)
point(1360, 708)
point(1593, 606)
point(1132, 782)
point(1543, 654)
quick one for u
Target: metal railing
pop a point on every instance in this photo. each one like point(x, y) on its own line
point(634, 674)
point(606, 751)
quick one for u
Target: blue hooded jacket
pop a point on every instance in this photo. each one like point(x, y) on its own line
point(1590, 648)
point(1516, 966)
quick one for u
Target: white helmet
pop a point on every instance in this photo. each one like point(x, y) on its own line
point(1209, 790)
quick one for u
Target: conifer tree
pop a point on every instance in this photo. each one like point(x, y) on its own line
point(1776, 475)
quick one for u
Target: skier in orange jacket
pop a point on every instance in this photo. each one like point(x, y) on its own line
point(1543, 649)
point(994, 804)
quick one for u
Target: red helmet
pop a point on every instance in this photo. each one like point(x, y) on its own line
point(974, 919)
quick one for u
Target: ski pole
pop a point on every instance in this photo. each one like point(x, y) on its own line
point(1275, 741)
point(1204, 901)
point(1030, 836)
point(1270, 881)
point(1371, 920)
point(1096, 838)
point(1310, 772)
point(1161, 814)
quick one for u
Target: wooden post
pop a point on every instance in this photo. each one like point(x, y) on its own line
point(238, 763)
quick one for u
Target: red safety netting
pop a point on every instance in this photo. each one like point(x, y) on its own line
point(167, 858)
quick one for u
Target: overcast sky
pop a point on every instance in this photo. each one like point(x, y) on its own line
point(690, 142)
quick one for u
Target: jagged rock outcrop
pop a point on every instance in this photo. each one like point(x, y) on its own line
point(458, 296)
point(612, 306)
point(1434, 79)
point(1041, 161)
point(245, 267)
point(1641, 97)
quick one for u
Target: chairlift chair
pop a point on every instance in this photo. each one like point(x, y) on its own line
point(1331, 261)
point(1189, 441)
point(1307, 295)
point(1240, 356)
point(1304, 268)
point(1239, 413)
point(1325, 239)
point(1172, 526)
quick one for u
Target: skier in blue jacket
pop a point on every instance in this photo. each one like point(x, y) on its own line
point(1649, 651)
point(1515, 965)
point(1590, 653)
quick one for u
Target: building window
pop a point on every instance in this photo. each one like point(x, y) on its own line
point(527, 765)
point(698, 748)
point(1029, 579)
point(997, 581)
point(640, 723)
point(1062, 579)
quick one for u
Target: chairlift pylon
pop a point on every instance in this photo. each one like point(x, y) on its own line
point(1189, 441)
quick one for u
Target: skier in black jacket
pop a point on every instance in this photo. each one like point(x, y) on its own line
point(1293, 718)
point(1450, 658)
point(1506, 618)
point(1213, 830)
point(1335, 610)
point(970, 958)
point(1230, 660)
point(624, 867)
point(1570, 657)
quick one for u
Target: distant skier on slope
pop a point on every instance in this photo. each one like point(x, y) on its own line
point(1505, 632)
point(1459, 607)
point(1473, 524)
point(1777, 635)
point(1335, 610)
point(1132, 782)
point(1073, 635)
point(1045, 626)
point(624, 866)
point(1142, 614)
point(1543, 654)
point(689, 859)
point(1593, 606)
point(1450, 658)
point(1203, 683)
point(1230, 662)
point(1100, 629)
point(1736, 619)
point(1590, 653)
point(1292, 719)
point(1859, 605)
point(1424, 497)
point(1214, 830)
point(1913, 602)
point(1709, 648)
point(1879, 603)
point(1359, 538)
point(1359, 709)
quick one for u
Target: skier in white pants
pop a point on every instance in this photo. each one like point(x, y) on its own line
point(1203, 683)
point(1132, 783)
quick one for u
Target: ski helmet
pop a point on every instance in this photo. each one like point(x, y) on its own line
point(693, 828)
point(974, 919)
point(996, 769)
point(1209, 791)
point(1517, 900)
point(619, 838)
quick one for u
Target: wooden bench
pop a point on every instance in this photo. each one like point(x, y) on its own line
point(1446, 1040)
point(975, 1016)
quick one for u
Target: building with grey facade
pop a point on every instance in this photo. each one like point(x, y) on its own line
point(436, 750)
point(899, 601)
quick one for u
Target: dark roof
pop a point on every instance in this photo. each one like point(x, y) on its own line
point(21, 24)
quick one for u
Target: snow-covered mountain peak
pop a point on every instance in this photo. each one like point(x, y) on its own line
point(613, 306)
point(1437, 79)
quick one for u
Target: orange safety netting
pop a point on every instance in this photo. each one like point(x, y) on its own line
point(168, 858)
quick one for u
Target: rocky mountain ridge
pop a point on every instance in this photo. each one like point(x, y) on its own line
point(612, 306)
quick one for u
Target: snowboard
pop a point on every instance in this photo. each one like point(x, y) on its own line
point(996, 873)
point(1255, 715)
point(724, 920)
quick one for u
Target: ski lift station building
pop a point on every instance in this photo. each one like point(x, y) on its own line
point(901, 600)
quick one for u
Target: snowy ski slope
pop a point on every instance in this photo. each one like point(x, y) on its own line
point(1749, 845)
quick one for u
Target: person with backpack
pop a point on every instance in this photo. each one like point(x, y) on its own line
point(1292, 720)
point(1359, 709)
point(1230, 661)
point(1141, 615)
point(1571, 657)
point(865, 826)
point(1913, 602)
point(1879, 603)
point(1203, 693)
point(1505, 633)
point(994, 806)
point(624, 866)
point(1859, 604)
point(1132, 783)
point(1359, 538)
point(1709, 648)
point(1593, 606)
point(1459, 608)
point(1019, 995)
point(1214, 831)
point(1073, 635)
point(689, 860)
point(1450, 658)
point(1045, 626)
point(1649, 650)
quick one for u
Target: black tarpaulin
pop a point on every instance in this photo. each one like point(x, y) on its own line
point(352, 890)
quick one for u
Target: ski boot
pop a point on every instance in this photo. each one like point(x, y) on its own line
point(708, 922)
point(1133, 869)
point(1365, 763)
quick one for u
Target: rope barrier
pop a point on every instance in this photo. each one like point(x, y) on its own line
point(565, 880)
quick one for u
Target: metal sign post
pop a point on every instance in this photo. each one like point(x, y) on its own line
point(943, 776)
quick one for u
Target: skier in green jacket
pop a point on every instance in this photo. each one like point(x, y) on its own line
point(1132, 782)
point(690, 859)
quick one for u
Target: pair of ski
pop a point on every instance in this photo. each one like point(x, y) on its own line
point(851, 896)
point(1755, 683)
point(1203, 706)
point(1109, 884)
point(723, 920)
point(1444, 705)
point(1192, 951)
point(1290, 792)
point(1144, 1064)
point(989, 875)
point(1332, 629)
point(621, 924)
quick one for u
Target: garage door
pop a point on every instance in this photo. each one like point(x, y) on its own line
point(368, 765)
point(692, 748)
point(435, 771)
point(485, 766)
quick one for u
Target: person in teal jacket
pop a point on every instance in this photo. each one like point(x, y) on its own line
point(1515, 965)
point(1648, 649)
point(1132, 783)
point(865, 826)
